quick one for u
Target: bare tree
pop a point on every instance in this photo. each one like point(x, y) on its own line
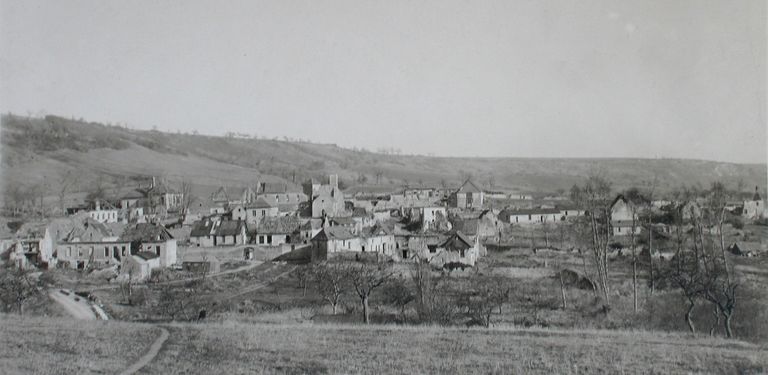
point(594, 198)
point(486, 295)
point(331, 280)
point(398, 294)
point(17, 287)
point(365, 278)
point(637, 203)
point(187, 198)
point(65, 183)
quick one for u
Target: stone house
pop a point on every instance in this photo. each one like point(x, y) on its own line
point(333, 240)
point(217, 231)
point(530, 215)
point(468, 195)
point(91, 242)
point(325, 200)
point(146, 237)
point(277, 231)
point(755, 208)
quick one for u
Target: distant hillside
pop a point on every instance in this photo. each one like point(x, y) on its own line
point(51, 146)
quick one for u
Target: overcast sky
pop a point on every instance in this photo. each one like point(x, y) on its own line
point(462, 78)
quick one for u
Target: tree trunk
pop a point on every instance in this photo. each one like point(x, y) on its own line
point(364, 301)
point(728, 330)
point(689, 316)
point(716, 313)
point(634, 279)
point(650, 255)
point(334, 307)
point(562, 292)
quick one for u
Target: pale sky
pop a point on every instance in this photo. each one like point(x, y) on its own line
point(666, 78)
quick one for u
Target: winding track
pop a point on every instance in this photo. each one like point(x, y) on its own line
point(150, 355)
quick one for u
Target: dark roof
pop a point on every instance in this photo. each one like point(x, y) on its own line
point(202, 228)
point(146, 255)
point(530, 211)
point(377, 230)
point(342, 221)
point(260, 203)
point(360, 212)
point(145, 232)
point(279, 225)
point(88, 223)
point(272, 187)
point(467, 226)
point(458, 241)
point(469, 187)
point(133, 194)
point(333, 233)
point(230, 228)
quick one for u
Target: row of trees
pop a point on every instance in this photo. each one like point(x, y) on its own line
point(433, 298)
point(699, 270)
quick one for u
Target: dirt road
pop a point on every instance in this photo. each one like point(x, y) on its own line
point(150, 355)
point(78, 309)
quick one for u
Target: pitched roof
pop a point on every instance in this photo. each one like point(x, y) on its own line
point(84, 226)
point(203, 227)
point(272, 187)
point(458, 241)
point(146, 255)
point(342, 220)
point(230, 228)
point(469, 187)
point(145, 232)
point(468, 226)
point(333, 233)
point(530, 211)
point(260, 203)
point(279, 225)
point(377, 231)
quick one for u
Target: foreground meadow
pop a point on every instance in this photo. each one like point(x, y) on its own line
point(239, 348)
point(68, 346)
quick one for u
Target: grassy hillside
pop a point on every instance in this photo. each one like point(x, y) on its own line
point(56, 345)
point(50, 146)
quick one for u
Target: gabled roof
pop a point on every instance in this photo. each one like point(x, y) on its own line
point(458, 241)
point(279, 225)
point(529, 211)
point(146, 255)
point(333, 234)
point(342, 220)
point(145, 232)
point(272, 188)
point(230, 228)
point(468, 226)
point(220, 195)
point(203, 227)
point(377, 231)
point(260, 203)
point(88, 224)
point(468, 187)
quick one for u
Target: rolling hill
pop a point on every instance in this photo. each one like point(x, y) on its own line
point(38, 150)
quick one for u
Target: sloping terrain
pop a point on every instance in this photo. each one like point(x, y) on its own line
point(50, 146)
point(36, 345)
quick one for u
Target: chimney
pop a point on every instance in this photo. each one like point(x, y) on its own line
point(334, 180)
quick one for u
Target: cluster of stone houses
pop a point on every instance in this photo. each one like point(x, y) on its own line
point(81, 242)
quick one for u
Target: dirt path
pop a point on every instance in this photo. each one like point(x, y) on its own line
point(246, 267)
point(77, 309)
point(256, 286)
point(150, 355)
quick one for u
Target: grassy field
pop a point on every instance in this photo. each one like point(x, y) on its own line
point(62, 346)
point(68, 346)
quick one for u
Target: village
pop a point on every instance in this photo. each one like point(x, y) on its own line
point(163, 251)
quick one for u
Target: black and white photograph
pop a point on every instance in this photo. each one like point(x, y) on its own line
point(383, 187)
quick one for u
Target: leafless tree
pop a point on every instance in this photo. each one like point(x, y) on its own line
point(637, 203)
point(331, 280)
point(365, 278)
point(187, 198)
point(17, 287)
point(398, 294)
point(65, 183)
point(485, 296)
point(595, 199)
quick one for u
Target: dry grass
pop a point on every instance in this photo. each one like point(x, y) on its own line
point(67, 346)
point(237, 348)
